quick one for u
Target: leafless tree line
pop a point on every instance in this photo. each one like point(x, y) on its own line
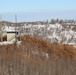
point(29, 58)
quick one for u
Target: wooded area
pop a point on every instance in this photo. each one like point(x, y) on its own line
point(37, 57)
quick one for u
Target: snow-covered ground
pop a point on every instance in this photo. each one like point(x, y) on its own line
point(5, 43)
point(51, 32)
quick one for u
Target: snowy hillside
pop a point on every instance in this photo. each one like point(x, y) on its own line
point(51, 32)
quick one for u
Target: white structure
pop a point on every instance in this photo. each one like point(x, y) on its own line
point(11, 34)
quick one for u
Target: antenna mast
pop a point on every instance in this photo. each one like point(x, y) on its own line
point(15, 28)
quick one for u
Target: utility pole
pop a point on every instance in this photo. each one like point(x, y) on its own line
point(15, 28)
point(1, 28)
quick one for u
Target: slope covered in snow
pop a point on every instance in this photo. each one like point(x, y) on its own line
point(51, 32)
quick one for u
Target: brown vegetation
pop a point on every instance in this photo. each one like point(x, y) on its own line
point(37, 57)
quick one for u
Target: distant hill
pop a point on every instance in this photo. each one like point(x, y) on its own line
point(60, 33)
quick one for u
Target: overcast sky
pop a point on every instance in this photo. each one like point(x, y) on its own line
point(32, 10)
